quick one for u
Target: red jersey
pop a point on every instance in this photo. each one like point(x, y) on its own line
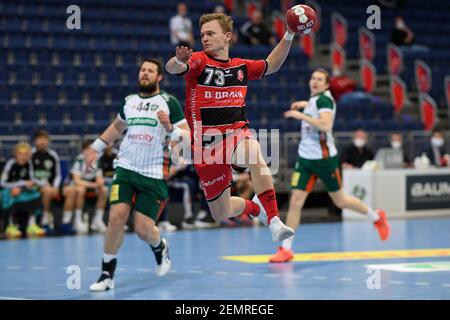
point(216, 90)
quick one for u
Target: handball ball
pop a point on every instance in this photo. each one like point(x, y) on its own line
point(301, 18)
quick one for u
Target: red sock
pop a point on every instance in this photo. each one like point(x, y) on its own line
point(269, 201)
point(251, 208)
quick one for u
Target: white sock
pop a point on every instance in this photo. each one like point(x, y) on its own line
point(32, 220)
point(99, 214)
point(108, 257)
point(287, 243)
point(45, 218)
point(373, 215)
point(67, 216)
point(155, 245)
point(78, 213)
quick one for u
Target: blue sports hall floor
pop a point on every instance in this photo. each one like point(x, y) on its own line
point(333, 261)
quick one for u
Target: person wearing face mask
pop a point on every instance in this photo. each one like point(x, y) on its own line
point(397, 144)
point(436, 151)
point(356, 154)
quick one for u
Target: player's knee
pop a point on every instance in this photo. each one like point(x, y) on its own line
point(296, 200)
point(70, 192)
point(80, 190)
point(117, 219)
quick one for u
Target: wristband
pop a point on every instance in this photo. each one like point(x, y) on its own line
point(175, 134)
point(288, 36)
point(99, 145)
point(178, 61)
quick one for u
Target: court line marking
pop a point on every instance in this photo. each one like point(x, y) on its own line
point(13, 267)
point(349, 256)
point(346, 279)
point(320, 278)
point(14, 298)
point(446, 285)
point(245, 273)
point(422, 283)
point(395, 282)
point(195, 271)
point(40, 268)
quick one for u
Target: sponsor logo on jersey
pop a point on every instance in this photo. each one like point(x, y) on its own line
point(223, 95)
point(140, 137)
point(240, 75)
point(142, 122)
point(212, 182)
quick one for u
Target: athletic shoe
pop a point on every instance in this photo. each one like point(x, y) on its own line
point(67, 229)
point(163, 262)
point(278, 229)
point(166, 226)
point(98, 225)
point(49, 230)
point(382, 225)
point(103, 283)
point(35, 230)
point(205, 223)
point(81, 227)
point(188, 224)
point(12, 232)
point(282, 255)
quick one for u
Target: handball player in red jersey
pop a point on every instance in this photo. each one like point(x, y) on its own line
point(216, 86)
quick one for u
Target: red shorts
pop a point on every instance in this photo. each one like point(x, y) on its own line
point(214, 168)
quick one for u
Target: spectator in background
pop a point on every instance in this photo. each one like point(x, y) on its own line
point(436, 151)
point(47, 168)
point(397, 144)
point(88, 182)
point(401, 35)
point(20, 194)
point(356, 154)
point(181, 28)
point(255, 32)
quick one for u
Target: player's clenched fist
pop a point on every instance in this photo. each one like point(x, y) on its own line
point(165, 121)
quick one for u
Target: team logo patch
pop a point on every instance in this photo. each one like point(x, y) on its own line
point(240, 75)
point(114, 192)
point(48, 164)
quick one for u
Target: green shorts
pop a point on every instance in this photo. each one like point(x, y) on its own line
point(148, 195)
point(307, 171)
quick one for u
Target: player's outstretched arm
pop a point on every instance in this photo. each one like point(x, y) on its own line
point(323, 123)
point(276, 58)
point(178, 64)
point(111, 134)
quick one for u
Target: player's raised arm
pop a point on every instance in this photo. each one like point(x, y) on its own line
point(111, 134)
point(276, 58)
point(178, 64)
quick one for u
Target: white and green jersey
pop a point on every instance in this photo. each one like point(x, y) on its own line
point(79, 168)
point(316, 144)
point(146, 145)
